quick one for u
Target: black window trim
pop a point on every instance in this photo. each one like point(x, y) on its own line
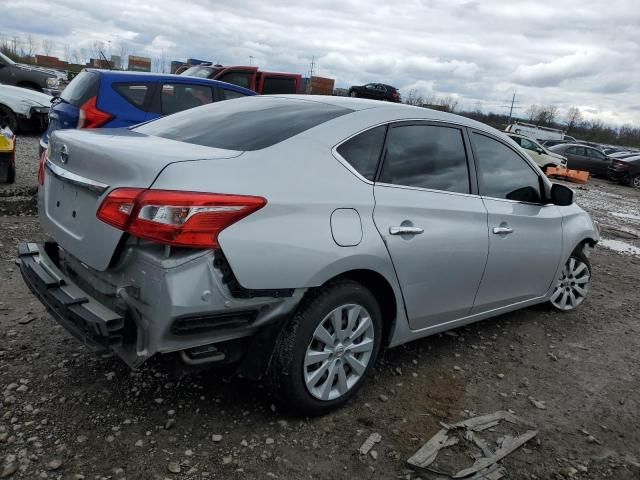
point(545, 202)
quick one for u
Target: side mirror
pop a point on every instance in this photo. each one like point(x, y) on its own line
point(561, 195)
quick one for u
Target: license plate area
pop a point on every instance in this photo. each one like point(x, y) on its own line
point(69, 206)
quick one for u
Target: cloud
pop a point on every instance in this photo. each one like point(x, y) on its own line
point(564, 53)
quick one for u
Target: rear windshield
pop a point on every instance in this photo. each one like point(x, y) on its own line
point(81, 88)
point(249, 123)
point(201, 72)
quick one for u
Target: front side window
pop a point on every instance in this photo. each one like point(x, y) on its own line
point(503, 173)
point(528, 144)
point(426, 156)
point(595, 154)
point(183, 96)
point(363, 151)
point(242, 79)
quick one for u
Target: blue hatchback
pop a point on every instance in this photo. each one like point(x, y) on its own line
point(110, 98)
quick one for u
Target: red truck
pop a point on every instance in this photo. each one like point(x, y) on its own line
point(248, 77)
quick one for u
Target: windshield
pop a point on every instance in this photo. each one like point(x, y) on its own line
point(249, 123)
point(5, 59)
point(200, 72)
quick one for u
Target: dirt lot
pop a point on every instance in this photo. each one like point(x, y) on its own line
point(66, 414)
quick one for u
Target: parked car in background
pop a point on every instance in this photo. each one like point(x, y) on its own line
point(29, 76)
point(543, 157)
point(376, 91)
point(582, 157)
point(22, 109)
point(198, 235)
point(538, 133)
point(265, 83)
point(110, 99)
point(552, 143)
point(626, 170)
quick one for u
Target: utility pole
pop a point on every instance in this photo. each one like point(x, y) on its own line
point(250, 60)
point(311, 68)
point(512, 107)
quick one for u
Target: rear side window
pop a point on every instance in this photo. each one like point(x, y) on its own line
point(275, 85)
point(183, 96)
point(251, 123)
point(230, 94)
point(82, 88)
point(134, 93)
point(426, 156)
point(503, 173)
point(363, 151)
point(595, 154)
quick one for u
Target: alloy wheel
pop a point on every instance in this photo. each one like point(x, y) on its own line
point(635, 181)
point(573, 285)
point(339, 352)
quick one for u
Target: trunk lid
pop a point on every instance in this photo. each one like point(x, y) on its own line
point(85, 165)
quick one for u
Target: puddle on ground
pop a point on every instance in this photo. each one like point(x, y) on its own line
point(625, 215)
point(619, 246)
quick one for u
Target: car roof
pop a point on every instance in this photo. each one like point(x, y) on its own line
point(395, 111)
point(120, 75)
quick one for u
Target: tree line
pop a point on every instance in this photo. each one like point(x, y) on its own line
point(572, 123)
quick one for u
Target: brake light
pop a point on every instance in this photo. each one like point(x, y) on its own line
point(43, 158)
point(184, 219)
point(91, 116)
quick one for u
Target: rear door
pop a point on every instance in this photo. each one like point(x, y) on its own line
point(431, 220)
point(525, 233)
point(129, 102)
point(597, 162)
point(576, 158)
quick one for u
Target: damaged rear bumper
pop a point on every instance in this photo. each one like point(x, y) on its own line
point(97, 327)
point(149, 303)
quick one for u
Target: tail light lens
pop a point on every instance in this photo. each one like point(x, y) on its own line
point(184, 219)
point(91, 116)
point(43, 158)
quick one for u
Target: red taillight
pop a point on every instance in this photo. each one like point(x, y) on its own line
point(43, 158)
point(91, 116)
point(184, 219)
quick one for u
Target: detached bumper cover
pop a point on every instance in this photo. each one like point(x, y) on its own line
point(97, 327)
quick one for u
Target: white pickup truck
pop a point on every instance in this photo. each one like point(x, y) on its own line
point(538, 133)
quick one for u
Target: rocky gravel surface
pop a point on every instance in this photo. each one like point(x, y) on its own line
point(66, 414)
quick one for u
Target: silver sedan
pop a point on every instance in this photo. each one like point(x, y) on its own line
point(296, 236)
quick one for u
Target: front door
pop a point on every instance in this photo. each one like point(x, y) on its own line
point(434, 226)
point(525, 233)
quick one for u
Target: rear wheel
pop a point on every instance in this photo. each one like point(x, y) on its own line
point(8, 119)
point(573, 286)
point(353, 93)
point(635, 181)
point(327, 349)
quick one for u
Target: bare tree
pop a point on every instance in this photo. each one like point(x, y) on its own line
point(47, 47)
point(414, 98)
point(532, 113)
point(30, 45)
point(448, 103)
point(574, 117)
point(67, 52)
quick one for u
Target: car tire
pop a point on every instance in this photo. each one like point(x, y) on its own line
point(573, 285)
point(549, 165)
point(8, 119)
point(11, 174)
point(634, 181)
point(313, 371)
point(353, 94)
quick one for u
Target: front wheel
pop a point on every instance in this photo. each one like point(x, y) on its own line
point(327, 349)
point(634, 181)
point(8, 119)
point(353, 93)
point(572, 287)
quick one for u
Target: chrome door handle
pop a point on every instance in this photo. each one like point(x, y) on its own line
point(502, 230)
point(405, 230)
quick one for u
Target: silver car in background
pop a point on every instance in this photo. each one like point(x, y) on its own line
point(297, 236)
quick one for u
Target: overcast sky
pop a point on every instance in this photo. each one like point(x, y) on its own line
point(567, 53)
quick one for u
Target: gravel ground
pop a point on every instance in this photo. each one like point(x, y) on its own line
point(65, 414)
point(18, 198)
